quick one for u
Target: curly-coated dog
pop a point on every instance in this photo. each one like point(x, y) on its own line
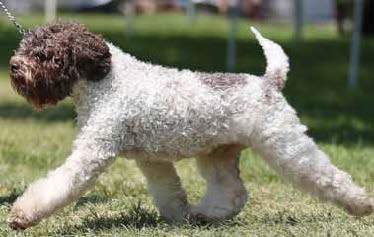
point(158, 115)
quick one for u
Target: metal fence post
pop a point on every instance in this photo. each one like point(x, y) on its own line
point(299, 19)
point(129, 17)
point(50, 10)
point(355, 44)
point(231, 44)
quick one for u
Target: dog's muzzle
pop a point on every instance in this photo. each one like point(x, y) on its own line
point(16, 67)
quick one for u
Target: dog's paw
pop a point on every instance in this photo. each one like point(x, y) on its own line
point(202, 215)
point(17, 220)
point(361, 208)
point(200, 218)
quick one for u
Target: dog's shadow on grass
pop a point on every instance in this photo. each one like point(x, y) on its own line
point(10, 198)
point(135, 217)
point(140, 218)
point(7, 200)
point(91, 199)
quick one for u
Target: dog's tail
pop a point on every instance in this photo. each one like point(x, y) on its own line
point(277, 61)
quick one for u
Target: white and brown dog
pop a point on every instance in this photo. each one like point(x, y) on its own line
point(159, 115)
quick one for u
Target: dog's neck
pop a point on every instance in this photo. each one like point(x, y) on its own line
point(84, 88)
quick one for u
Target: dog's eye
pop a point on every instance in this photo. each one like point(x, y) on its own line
point(40, 56)
point(56, 60)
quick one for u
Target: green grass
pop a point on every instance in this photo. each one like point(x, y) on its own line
point(340, 119)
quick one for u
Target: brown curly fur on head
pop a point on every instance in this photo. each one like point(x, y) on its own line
point(53, 57)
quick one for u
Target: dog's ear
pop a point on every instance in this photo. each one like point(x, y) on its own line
point(90, 54)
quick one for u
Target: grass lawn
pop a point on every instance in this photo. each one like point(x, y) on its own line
point(341, 120)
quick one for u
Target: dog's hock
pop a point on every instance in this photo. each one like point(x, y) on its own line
point(277, 61)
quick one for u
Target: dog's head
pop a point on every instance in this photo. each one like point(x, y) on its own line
point(51, 58)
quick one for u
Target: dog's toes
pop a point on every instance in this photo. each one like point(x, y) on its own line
point(19, 221)
point(199, 219)
point(204, 215)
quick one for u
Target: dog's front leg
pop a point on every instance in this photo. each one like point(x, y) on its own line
point(57, 189)
point(94, 150)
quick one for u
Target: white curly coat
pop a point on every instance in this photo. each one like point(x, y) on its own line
point(159, 115)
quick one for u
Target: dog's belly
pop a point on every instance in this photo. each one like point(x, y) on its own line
point(175, 142)
point(156, 156)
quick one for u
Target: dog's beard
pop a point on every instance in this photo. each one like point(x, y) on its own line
point(38, 89)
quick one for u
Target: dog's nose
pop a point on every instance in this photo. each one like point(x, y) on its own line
point(14, 67)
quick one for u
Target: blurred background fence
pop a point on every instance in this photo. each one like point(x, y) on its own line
point(297, 12)
point(330, 83)
point(275, 10)
point(328, 41)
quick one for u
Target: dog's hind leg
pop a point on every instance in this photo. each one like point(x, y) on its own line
point(225, 193)
point(281, 140)
point(166, 189)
